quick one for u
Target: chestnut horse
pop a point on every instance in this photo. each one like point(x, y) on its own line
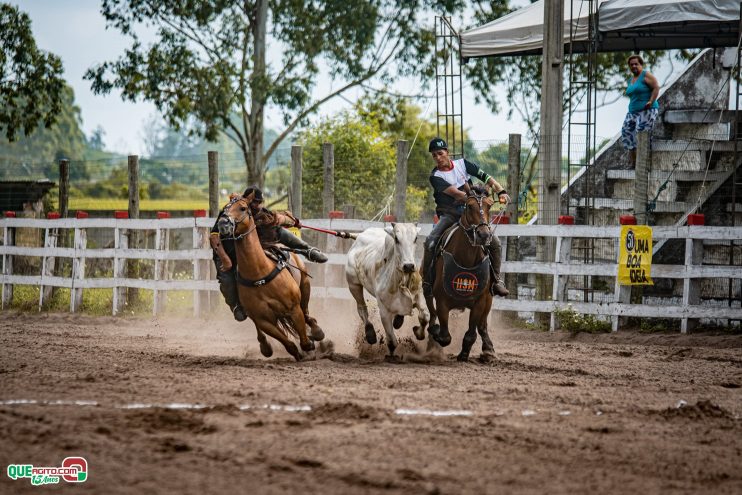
point(275, 295)
point(463, 277)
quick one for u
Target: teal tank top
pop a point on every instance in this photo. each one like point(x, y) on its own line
point(639, 94)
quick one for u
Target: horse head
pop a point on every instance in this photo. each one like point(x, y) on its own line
point(237, 217)
point(476, 215)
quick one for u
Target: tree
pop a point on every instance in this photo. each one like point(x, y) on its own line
point(36, 154)
point(364, 166)
point(212, 60)
point(31, 84)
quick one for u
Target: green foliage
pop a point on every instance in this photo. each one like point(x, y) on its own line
point(364, 166)
point(37, 155)
point(208, 61)
point(31, 84)
point(418, 201)
point(575, 322)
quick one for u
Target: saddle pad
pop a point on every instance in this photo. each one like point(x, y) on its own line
point(464, 283)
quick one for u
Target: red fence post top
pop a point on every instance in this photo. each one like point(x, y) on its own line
point(390, 218)
point(336, 214)
point(566, 220)
point(120, 214)
point(9, 214)
point(199, 213)
point(501, 219)
point(627, 220)
point(81, 214)
point(697, 219)
point(163, 214)
point(53, 215)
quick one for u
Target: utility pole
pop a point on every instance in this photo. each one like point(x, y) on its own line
point(550, 150)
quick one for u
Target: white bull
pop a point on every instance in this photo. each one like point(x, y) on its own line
point(382, 261)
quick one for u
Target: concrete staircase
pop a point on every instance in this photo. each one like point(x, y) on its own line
point(691, 156)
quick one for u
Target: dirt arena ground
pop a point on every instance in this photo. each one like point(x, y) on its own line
point(189, 406)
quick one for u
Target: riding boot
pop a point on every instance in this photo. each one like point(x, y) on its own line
point(228, 288)
point(495, 252)
point(427, 272)
point(300, 246)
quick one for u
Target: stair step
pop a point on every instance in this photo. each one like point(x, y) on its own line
point(691, 145)
point(628, 204)
point(698, 116)
point(662, 175)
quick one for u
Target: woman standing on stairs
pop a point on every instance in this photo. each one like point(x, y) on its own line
point(643, 90)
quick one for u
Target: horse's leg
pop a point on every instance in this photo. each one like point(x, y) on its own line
point(422, 316)
point(357, 291)
point(470, 336)
point(265, 346)
point(316, 332)
point(297, 321)
point(270, 328)
point(387, 320)
point(441, 333)
point(488, 350)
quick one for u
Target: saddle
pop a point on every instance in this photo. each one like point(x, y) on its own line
point(277, 254)
point(461, 282)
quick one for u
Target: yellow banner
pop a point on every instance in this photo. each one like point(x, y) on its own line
point(635, 255)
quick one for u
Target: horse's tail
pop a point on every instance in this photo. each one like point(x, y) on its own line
point(287, 326)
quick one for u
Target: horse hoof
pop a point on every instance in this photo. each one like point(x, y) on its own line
point(397, 323)
point(370, 334)
point(462, 357)
point(419, 332)
point(307, 346)
point(487, 357)
point(317, 334)
point(266, 349)
point(436, 332)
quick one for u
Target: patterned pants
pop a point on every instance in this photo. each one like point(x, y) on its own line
point(635, 122)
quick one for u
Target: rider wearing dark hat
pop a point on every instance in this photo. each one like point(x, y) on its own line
point(449, 179)
point(270, 229)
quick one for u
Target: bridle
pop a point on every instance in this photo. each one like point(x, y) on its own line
point(234, 222)
point(470, 231)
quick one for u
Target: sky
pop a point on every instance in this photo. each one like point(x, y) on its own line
point(76, 31)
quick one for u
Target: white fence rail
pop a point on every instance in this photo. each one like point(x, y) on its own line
point(201, 281)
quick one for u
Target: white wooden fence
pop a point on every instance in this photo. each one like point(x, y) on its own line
point(199, 254)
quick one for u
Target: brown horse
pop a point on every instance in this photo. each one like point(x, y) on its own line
point(275, 294)
point(463, 277)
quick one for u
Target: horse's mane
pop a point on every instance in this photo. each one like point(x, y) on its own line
point(479, 190)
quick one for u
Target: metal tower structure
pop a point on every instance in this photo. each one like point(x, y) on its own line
point(581, 128)
point(448, 86)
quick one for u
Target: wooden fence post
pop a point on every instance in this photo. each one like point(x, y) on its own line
point(513, 188)
point(400, 187)
point(78, 268)
point(213, 157)
point(48, 263)
point(328, 190)
point(8, 240)
point(641, 177)
point(133, 265)
point(691, 286)
point(295, 194)
point(162, 244)
point(559, 289)
point(64, 187)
